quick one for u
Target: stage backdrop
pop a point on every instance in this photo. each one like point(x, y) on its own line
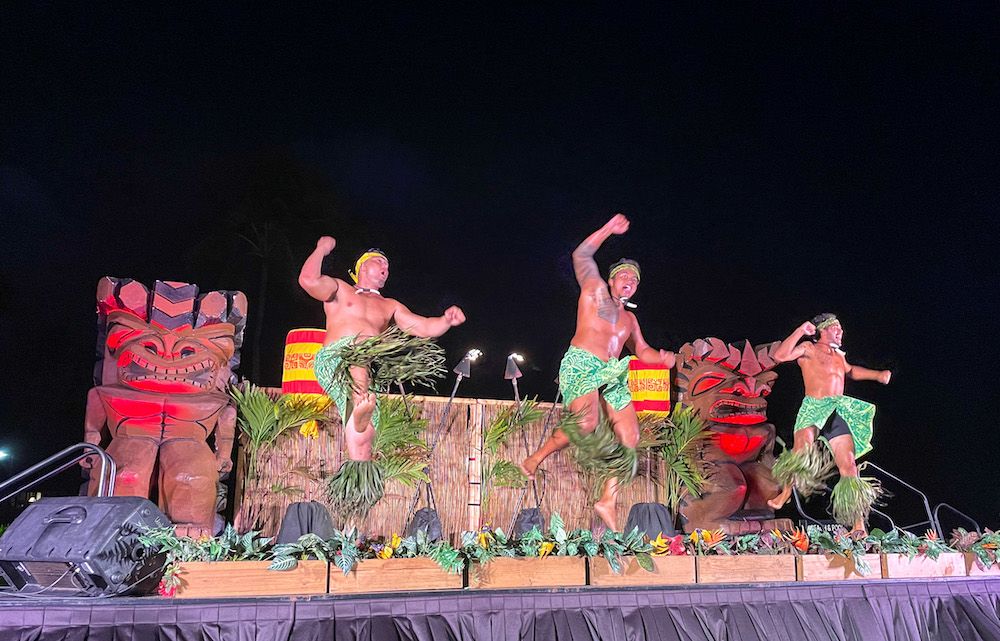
point(296, 468)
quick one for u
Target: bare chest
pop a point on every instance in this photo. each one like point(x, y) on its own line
point(370, 309)
point(602, 324)
point(822, 361)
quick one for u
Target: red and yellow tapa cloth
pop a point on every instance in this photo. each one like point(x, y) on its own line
point(298, 379)
point(650, 388)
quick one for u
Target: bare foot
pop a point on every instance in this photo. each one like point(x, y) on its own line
point(361, 416)
point(359, 444)
point(606, 510)
point(782, 497)
point(528, 467)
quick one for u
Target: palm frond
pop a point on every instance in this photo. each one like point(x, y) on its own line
point(296, 411)
point(257, 416)
point(408, 471)
point(400, 428)
point(506, 474)
point(509, 421)
point(682, 436)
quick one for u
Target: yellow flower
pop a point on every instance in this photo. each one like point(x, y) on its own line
point(485, 538)
point(694, 536)
point(661, 546)
point(385, 552)
point(309, 429)
point(778, 536)
point(395, 542)
point(545, 549)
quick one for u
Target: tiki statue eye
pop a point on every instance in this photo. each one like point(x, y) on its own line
point(706, 382)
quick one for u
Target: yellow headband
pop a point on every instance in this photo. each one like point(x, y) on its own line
point(625, 266)
point(361, 261)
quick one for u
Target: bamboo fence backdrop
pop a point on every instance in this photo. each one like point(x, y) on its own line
point(296, 468)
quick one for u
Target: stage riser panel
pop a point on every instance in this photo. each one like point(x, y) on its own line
point(942, 610)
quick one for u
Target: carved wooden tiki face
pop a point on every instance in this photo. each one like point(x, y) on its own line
point(169, 340)
point(728, 387)
point(725, 384)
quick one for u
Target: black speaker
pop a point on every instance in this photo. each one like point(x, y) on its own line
point(78, 545)
point(652, 519)
point(428, 520)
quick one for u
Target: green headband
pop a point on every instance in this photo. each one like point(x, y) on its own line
point(827, 323)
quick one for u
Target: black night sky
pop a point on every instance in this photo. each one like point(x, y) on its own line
point(775, 162)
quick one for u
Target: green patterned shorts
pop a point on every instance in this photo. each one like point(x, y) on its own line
point(324, 364)
point(581, 373)
point(859, 416)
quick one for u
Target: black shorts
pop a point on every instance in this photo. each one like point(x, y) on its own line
point(834, 427)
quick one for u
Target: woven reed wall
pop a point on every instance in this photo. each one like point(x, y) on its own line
point(296, 467)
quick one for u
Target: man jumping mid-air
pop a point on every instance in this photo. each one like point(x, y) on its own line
point(592, 377)
point(845, 423)
point(355, 313)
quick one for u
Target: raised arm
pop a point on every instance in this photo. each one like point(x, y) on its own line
point(424, 327)
point(644, 352)
point(858, 373)
point(790, 348)
point(311, 277)
point(584, 265)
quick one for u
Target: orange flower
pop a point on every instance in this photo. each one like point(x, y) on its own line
point(799, 539)
point(711, 538)
point(776, 533)
point(931, 535)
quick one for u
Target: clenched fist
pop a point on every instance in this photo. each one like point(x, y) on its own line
point(618, 224)
point(326, 244)
point(454, 316)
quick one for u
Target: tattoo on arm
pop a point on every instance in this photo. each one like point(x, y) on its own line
point(585, 269)
point(606, 308)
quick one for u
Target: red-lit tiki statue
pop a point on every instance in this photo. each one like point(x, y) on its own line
point(728, 387)
point(165, 358)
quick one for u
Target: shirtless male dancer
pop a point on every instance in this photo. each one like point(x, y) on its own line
point(844, 422)
point(603, 328)
point(357, 312)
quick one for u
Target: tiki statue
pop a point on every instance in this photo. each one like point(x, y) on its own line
point(165, 358)
point(728, 387)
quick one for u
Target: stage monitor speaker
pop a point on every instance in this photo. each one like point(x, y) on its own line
point(79, 545)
